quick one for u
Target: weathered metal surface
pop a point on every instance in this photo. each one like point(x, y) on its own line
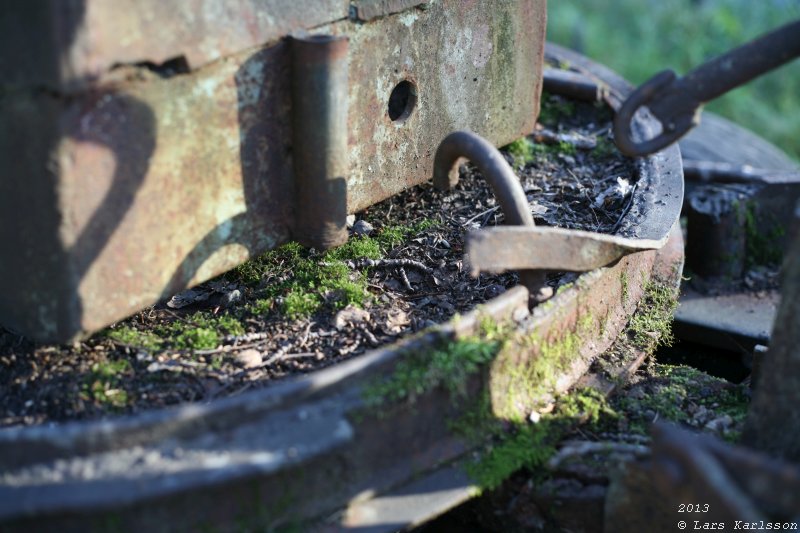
point(304, 447)
point(718, 486)
point(139, 187)
point(676, 102)
point(66, 45)
point(716, 231)
point(366, 10)
point(512, 248)
point(773, 422)
point(319, 140)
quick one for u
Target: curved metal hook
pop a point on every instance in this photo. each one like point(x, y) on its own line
point(504, 183)
point(492, 165)
point(644, 95)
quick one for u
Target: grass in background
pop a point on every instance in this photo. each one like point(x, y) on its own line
point(638, 38)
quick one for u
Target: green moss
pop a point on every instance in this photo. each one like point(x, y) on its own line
point(653, 317)
point(533, 383)
point(261, 306)
point(623, 279)
point(302, 282)
point(762, 248)
point(135, 338)
point(102, 384)
point(197, 339)
point(604, 148)
point(522, 150)
point(554, 108)
point(200, 331)
point(671, 390)
point(508, 447)
point(448, 366)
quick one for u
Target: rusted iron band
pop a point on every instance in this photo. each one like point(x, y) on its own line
point(319, 139)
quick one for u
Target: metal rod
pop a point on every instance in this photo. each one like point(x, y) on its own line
point(504, 183)
point(319, 139)
point(574, 85)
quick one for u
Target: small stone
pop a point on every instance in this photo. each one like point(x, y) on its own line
point(350, 315)
point(535, 417)
point(719, 425)
point(351, 219)
point(362, 227)
point(231, 297)
point(250, 358)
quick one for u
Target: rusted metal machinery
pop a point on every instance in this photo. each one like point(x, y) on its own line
point(311, 450)
point(676, 102)
point(739, 202)
point(144, 157)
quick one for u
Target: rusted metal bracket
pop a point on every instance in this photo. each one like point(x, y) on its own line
point(542, 248)
point(319, 139)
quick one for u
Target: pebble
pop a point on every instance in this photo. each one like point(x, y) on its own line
point(350, 315)
point(362, 227)
point(249, 358)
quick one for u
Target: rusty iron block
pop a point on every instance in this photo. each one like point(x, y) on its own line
point(132, 186)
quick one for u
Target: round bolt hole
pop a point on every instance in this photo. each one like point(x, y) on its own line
point(402, 101)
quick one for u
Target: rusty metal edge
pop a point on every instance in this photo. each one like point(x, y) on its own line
point(423, 499)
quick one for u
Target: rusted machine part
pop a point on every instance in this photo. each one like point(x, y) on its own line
point(676, 102)
point(694, 479)
point(157, 179)
point(305, 447)
point(573, 85)
point(499, 249)
point(319, 140)
point(505, 185)
point(772, 422)
point(716, 238)
point(512, 248)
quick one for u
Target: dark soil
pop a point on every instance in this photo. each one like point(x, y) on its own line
point(253, 325)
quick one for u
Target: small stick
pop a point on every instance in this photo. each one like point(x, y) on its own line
point(382, 263)
point(404, 279)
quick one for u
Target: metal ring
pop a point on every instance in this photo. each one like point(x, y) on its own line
point(623, 136)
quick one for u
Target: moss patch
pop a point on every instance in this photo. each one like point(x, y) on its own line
point(554, 108)
point(448, 366)
point(684, 395)
point(653, 318)
point(102, 385)
point(508, 447)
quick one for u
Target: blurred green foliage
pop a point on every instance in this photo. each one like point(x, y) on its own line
point(638, 38)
